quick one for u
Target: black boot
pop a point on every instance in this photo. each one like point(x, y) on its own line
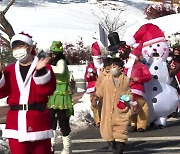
point(152, 124)
point(118, 147)
point(114, 147)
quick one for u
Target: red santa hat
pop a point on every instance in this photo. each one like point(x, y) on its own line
point(137, 51)
point(24, 37)
point(134, 55)
point(149, 34)
point(96, 53)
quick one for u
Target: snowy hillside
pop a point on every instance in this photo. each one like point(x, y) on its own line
point(51, 20)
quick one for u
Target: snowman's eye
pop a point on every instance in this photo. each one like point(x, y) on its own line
point(150, 46)
point(158, 45)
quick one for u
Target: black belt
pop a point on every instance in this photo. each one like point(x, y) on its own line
point(26, 107)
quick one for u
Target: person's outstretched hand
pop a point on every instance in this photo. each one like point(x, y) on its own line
point(42, 63)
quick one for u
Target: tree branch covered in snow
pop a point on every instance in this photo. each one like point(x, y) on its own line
point(5, 25)
point(110, 19)
point(8, 6)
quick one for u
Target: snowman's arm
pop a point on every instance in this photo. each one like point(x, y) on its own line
point(146, 75)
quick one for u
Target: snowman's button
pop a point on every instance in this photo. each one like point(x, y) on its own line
point(155, 77)
point(154, 100)
point(156, 67)
point(155, 88)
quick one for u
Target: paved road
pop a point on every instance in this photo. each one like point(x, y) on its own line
point(153, 141)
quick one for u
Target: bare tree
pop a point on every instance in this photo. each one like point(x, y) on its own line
point(5, 26)
point(111, 19)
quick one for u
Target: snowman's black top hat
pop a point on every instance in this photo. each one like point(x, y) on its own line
point(115, 43)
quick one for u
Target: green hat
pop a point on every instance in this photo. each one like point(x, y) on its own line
point(56, 46)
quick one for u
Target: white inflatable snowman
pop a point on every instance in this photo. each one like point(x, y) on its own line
point(161, 97)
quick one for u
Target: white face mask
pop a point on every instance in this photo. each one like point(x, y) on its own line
point(20, 54)
point(114, 71)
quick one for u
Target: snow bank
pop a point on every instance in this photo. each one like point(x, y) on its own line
point(82, 114)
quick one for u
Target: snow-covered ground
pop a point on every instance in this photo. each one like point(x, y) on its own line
point(51, 20)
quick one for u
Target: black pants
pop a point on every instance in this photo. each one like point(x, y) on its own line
point(62, 119)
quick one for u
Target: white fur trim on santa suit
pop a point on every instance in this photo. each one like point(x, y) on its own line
point(153, 41)
point(130, 62)
point(21, 37)
point(135, 45)
point(42, 79)
point(97, 56)
point(133, 56)
point(129, 72)
point(90, 90)
point(130, 41)
point(2, 81)
point(138, 92)
point(30, 136)
point(21, 134)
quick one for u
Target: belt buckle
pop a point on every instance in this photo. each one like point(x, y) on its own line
point(25, 107)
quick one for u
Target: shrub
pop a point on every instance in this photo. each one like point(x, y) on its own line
point(173, 1)
point(153, 11)
point(77, 54)
point(6, 56)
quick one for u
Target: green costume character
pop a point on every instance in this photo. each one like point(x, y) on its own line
point(61, 103)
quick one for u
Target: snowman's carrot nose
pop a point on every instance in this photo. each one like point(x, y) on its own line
point(155, 50)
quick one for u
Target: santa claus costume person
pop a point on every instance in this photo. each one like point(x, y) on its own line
point(138, 74)
point(27, 85)
point(92, 71)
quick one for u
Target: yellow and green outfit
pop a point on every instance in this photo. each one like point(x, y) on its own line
point(62, 97)
point(60, 103)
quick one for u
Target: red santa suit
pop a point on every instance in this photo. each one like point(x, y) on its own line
point(141, 72)
point(93, 68)
point(27, 125)
point(91, 77)
point(92, 71)
point(28, 121)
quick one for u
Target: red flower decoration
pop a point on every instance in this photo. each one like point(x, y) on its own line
point(68, 91)
point(57, 45)
point(26, 34)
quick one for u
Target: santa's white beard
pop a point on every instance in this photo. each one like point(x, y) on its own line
point(98, 64)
